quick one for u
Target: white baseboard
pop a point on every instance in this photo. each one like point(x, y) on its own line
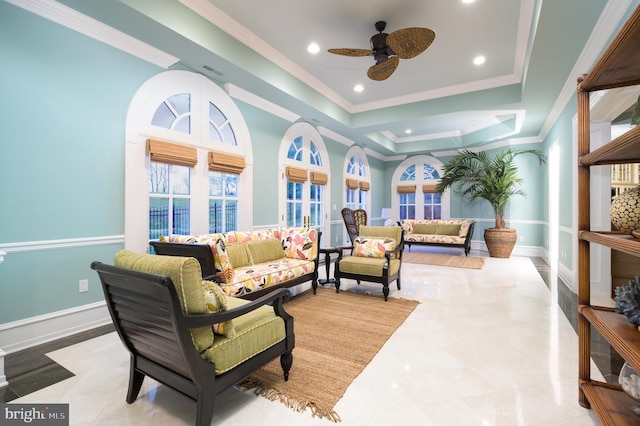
point(3, 378)
point(18, 335)
point(24, 334)
point(530, 251)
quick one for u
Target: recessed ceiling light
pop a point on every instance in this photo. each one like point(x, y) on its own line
point(479, 60)
point(358, 88)
point(313, 48)
point(408, 131)
point(468, 1)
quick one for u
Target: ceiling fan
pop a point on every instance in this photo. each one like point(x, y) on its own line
point(388, 49)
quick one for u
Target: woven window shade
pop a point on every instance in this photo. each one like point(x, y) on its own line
point(319, 178)
point(353, 183)
point(297, 175)
point(227, 163)
point(365, 186)
point(429, 189)
point(406, 189)
point(171, 153)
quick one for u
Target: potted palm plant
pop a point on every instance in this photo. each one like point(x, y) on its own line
point(493, 178)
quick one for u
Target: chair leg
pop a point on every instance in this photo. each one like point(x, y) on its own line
point(286, 361)
point(337, 285)
point(385, 291)
point(135, 382)
point(398, 282)
point(205, 403)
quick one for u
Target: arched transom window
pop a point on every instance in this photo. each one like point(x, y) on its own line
point(413, 189)
point(189, 137)
point(305, 173)
point(357, 179)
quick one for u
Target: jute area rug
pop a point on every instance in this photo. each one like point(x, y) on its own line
point(337, 335)
point(452, 261)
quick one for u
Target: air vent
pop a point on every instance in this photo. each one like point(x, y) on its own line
point(208, 68)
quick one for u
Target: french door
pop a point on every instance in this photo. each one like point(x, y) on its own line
point(305, 205)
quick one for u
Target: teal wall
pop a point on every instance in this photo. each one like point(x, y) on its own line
point(525, 214)
point(64, 104)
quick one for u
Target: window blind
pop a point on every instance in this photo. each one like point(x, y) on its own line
point(171, 153)
point(226, 163)
point(296, 175)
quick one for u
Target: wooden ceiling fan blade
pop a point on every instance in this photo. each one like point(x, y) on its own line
point(408, 43)
point(351, 52)
point(383, 70)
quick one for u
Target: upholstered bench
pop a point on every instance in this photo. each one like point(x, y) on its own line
point(439, 232)
point(249, 264)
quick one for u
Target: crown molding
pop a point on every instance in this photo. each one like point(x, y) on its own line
point(260, 103)
point(90, 27)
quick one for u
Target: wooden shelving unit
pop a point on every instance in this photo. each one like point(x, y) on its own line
point(619, 66)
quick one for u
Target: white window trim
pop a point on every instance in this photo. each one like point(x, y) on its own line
point(307, 132)
point(418, 161)
point(358, 152)
point(139, 129)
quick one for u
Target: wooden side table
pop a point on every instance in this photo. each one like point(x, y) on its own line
point(328, 251)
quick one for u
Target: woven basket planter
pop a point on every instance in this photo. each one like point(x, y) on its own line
point(625, 210)
point(500, 242)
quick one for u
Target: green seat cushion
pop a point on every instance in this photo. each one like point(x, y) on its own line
point(187, 280)
point(255, 332)
point(447, 229)
point(265, 250)
point(367, 265)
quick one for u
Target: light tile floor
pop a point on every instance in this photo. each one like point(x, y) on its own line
point(484, 347)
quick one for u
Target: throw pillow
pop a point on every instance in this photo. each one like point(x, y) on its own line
point(372, 247)
point(222, 261)
point(424, 228)
point(217, 302)
point(299, 243)
point(262, 251)
point(238, 255)
point(448, 229)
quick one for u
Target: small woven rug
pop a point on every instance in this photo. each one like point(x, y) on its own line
point(337, 335)
point(451, 261)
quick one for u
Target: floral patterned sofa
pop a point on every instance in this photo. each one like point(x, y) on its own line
point(250, 264)
point(439, 232)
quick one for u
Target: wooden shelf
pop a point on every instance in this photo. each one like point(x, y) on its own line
point(622, 150)
point(621, 242)
point(619, 65)
point(618, 331)
point(612, 405)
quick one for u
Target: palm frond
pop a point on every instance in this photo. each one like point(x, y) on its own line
point(478, 175)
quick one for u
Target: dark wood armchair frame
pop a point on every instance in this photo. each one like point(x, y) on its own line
point(146, 312)
point(353, 219)
point(204, 256)
point(385, 279)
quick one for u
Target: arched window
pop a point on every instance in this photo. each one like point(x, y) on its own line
point(413, 190)
point(357, 178)
point(188, 158)
point(304, 169)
